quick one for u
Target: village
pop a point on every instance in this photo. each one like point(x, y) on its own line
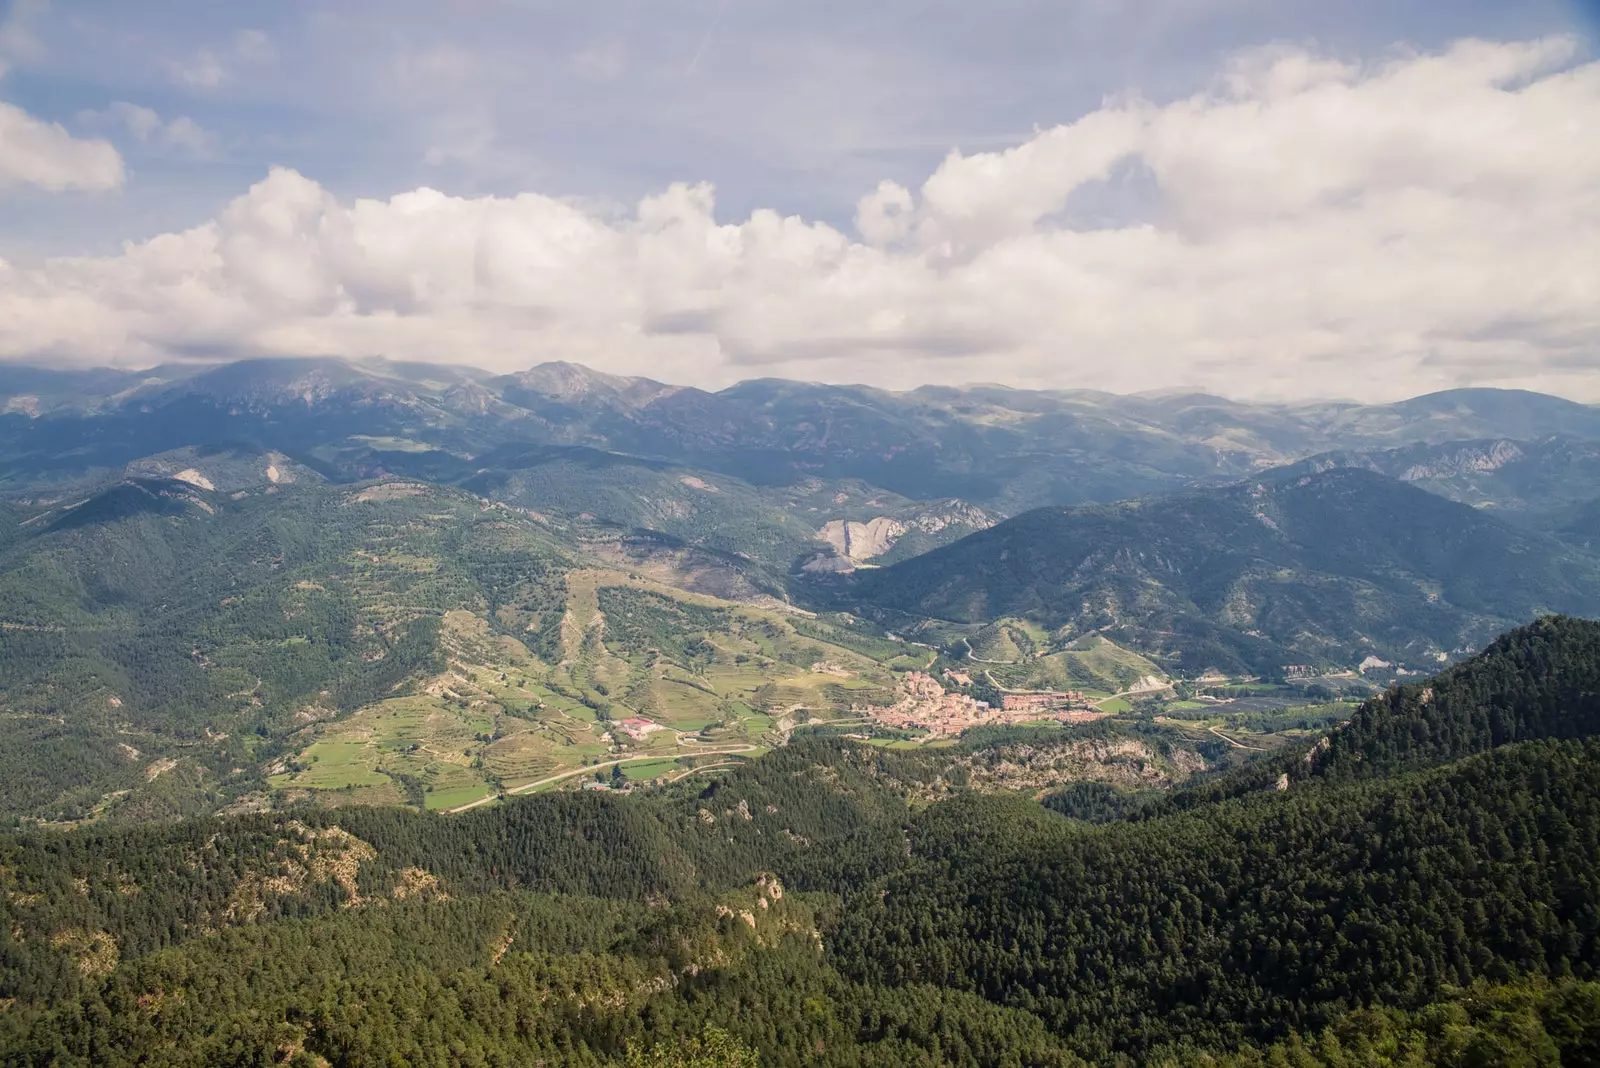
point(925, 704)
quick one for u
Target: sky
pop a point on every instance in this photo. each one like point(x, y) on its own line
point(1273, 199)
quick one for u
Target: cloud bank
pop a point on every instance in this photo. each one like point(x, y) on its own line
point(1304, 227)
point(45, 155)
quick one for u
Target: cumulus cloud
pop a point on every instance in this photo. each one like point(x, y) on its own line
point(181, 134)
point(1314, 227)
point(45, 155)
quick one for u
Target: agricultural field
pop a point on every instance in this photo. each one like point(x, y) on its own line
point(624, 672)
point(606, 673)
point(396, 642)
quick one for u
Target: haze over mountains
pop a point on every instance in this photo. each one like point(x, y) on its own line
point(1010, 449)
point(995, 447)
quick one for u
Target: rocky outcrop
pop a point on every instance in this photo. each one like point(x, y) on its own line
point(862, 541)
point(857, 541)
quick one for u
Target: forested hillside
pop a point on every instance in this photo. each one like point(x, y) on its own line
point(1537, 683)
point(835, 903)
point(157, 622)
point(1331, 567)
point(170, 649)
point(1544, 483)
point(389, 713)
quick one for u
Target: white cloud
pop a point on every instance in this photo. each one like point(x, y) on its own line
point(203, 70)
point(207, 69)
point(43, 154)
point(1316, 228)
point(181, 134)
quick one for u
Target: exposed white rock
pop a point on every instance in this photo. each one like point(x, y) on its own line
point(194, 478)
point(862, 541)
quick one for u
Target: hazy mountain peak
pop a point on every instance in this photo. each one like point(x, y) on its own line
point(280, 379)
point(567, 381)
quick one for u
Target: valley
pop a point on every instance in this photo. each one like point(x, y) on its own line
point(634, 714)
point(754, 535)
point(346, 584)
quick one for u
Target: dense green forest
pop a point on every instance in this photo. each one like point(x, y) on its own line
point(1424, 889)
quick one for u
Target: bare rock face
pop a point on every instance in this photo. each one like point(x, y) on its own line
point(856, 542)
point(1466, 460)
point(862, 541)
point(953, 514)
point(829, 564)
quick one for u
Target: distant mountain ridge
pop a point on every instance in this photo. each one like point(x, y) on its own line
point(773, 486)
point(1329, 567)
point(1001, 449)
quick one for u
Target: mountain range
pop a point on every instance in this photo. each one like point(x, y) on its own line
point(632, 452)
point(997, 447)
point(376, 713)
point(270, 582)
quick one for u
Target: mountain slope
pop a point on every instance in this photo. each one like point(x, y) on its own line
point(1543, 484)
point(1466, 823)
point(165, 627)
point(1538, 682)
point(1464, 414)
point(782, 527)
point(1330, 567)
point(1240, 921)
point(166, 646)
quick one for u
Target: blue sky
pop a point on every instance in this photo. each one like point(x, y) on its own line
point(796, 106)
point(802, 109)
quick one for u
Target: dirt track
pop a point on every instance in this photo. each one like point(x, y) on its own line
point(591, 768)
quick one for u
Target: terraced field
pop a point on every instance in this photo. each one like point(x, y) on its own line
point(639, 676)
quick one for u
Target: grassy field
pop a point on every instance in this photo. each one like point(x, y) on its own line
point(456, 796)
point(1092, 664)
point(334, 765)
point(650, 769)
